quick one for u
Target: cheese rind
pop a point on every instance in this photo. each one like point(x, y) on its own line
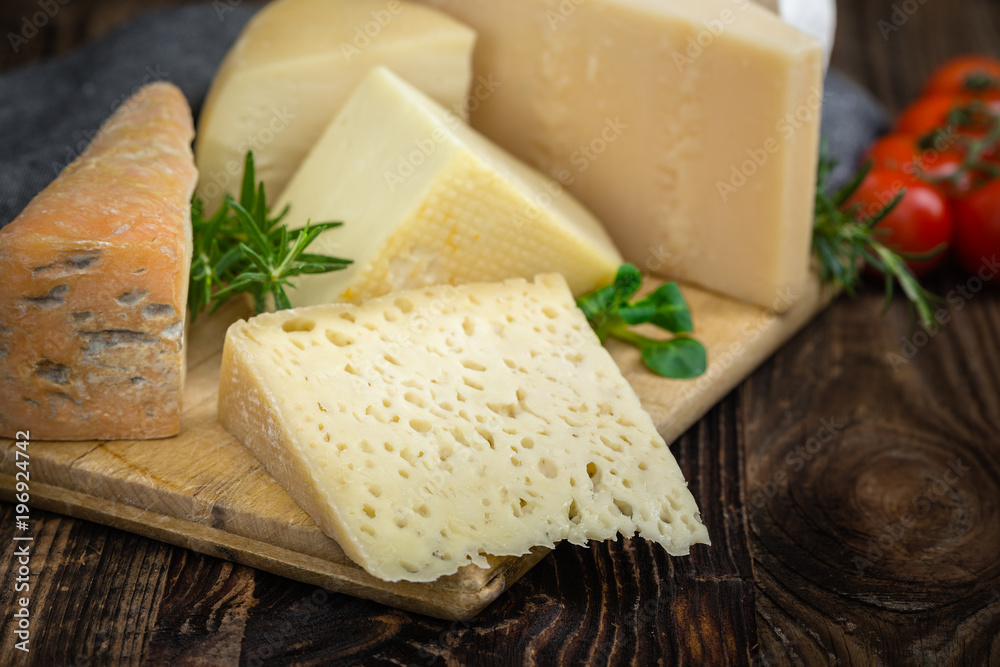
point(426, 200)
point(294, 65)
point(427, 429)
point(813, 17)
point(690, 129)
point(95, 276)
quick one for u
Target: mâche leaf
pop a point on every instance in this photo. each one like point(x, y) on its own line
point(610, 314)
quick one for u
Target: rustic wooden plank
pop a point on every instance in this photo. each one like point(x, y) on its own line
point(424, 639)
point(203, 612)
point(623, 602)
point(868, 546)
point(93, 593)
point(791, 631)
point(204, 491)
point(874, 504)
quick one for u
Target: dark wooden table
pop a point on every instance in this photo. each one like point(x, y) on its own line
point(853, 499)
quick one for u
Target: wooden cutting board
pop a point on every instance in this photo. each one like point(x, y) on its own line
point(202, 490)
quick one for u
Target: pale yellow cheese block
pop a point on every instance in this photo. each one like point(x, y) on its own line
point(294, 65)
point(689, 128)
point(427, 200)
point(430, 428)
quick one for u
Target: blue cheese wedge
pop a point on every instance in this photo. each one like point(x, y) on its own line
point(427, 200)
point(427, 429)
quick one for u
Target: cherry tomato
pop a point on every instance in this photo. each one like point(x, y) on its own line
point(919, 223)
point(943, 170)
point(897, 152)
point(977, 229)
point(964, 74)
point(926, 114)
point(933, 111)
point(901, 152)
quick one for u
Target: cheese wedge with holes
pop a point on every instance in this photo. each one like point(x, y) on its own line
point(689, 127)
point(94, 288)
point(426, 200)
point(294, 65)
point(427, 429)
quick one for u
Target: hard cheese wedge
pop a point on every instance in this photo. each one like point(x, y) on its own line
point(426, 200)
point(94, 289)
point(690, 128)
point(294, 65)
point(427, 429)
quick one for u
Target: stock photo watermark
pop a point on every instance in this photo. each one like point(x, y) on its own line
point(425, 147)
point(581, 159)
point(22, 543)
point(121, 105)
point(218, 180)
point(711, 30)
point(757, 157)
point(31, 24)
point(956, 299)
point(796, 459)
point(366, 33)
point(901, 13)
point(922, 503)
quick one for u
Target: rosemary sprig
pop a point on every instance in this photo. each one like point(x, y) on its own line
point(610, 314)
point(843, 242)
point(242, 249)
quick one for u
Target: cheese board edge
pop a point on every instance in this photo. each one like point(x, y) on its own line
point(672, 414)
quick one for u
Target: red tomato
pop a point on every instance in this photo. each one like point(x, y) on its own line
point(901, 152)
point(895, 151)
point(964, 74)
point(926, 114)
point(932, 112)
point(943, 170)
point(919, 223)
point(977, 229)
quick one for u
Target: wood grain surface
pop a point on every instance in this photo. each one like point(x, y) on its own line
point(852, 496)
point(203, 490)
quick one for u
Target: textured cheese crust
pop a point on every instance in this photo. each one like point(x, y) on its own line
point(94, 283)
point(426, 200)
point(427, 429)
point(689, 127)
point(294, 65)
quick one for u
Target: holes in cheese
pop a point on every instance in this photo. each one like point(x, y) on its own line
point(94, 288)
point(436, 437)
point(426, 200)
point(294, 65)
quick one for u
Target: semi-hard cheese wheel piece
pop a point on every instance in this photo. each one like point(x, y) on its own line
point(427, 200)
point(294, 65)
point(427, 429)
point(93, 283)
point(689, 127)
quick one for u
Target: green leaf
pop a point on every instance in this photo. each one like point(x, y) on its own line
point(249, 179)
point(240, 249)
point(681, 358)
point(843, 241)
point(628, 280)
point(609, 314)
point(665, 308)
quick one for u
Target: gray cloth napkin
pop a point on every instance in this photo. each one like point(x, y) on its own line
point(50, 111)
